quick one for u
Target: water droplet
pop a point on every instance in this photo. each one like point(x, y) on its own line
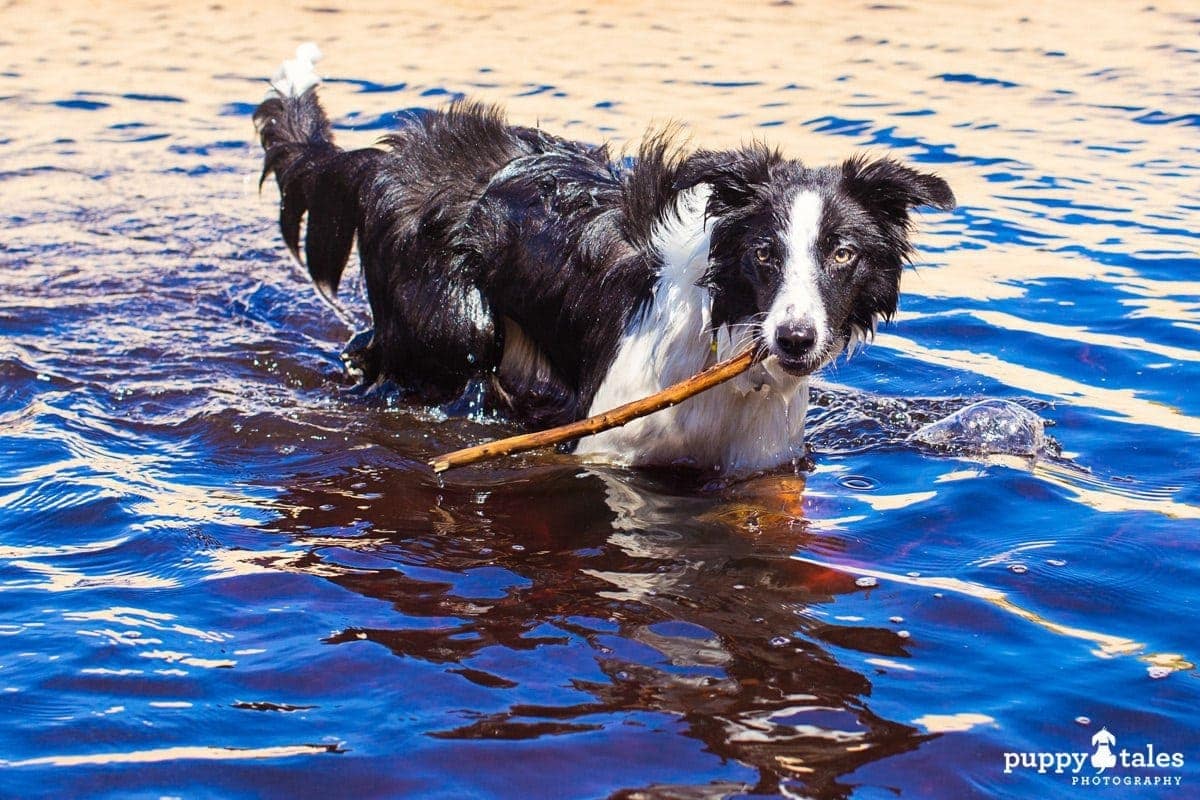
point(1083, 720)
point(897, 620)
point(1158, 673)
point(1019, 569)
point(866, 582)
point(1056, 562)
point(938, 595)
point(739, 586)
point(780, 641)
point(518, 547)
point(903, 634)
point(913, 574)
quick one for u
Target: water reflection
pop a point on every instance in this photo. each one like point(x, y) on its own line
point(690, 605)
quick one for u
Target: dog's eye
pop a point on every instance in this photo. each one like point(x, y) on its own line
point(762, 254)
point(843, 256)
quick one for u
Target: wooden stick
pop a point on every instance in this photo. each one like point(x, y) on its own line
point(672, 395)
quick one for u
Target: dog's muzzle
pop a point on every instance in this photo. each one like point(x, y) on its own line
point(794, 345)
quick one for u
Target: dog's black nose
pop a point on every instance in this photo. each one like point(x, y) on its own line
point(796, 338)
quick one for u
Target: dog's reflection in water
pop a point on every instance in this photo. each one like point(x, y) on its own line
point(704, 579)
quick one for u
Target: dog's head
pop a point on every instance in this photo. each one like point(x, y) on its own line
point(802, 259)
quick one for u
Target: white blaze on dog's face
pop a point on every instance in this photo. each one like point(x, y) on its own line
point(796, 328)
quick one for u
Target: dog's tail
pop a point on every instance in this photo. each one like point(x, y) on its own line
point(314, 174)
point(290, 120)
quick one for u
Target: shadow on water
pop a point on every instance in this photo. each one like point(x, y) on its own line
point(691, 605)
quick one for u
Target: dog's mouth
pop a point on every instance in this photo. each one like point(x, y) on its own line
point(781, 364)
point(802, 366)
point(798, 366)
point(798, 362)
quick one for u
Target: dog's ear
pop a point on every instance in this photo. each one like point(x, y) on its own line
point(892, 188)
point(736, 177)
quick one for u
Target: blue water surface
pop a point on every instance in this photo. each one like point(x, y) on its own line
point(223, 573)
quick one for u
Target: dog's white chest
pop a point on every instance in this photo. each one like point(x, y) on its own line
point(721, 429)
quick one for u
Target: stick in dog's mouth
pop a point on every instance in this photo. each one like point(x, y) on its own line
point(673, 395)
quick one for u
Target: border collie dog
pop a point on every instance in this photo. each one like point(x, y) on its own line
point(565, 282)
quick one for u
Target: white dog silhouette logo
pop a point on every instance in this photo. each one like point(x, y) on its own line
point(1103, 758)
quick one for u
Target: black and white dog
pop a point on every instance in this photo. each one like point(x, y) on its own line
point(567, 283)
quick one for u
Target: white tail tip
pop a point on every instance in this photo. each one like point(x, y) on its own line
point(297, 75)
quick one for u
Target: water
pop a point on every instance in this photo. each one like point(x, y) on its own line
point(224, 574)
